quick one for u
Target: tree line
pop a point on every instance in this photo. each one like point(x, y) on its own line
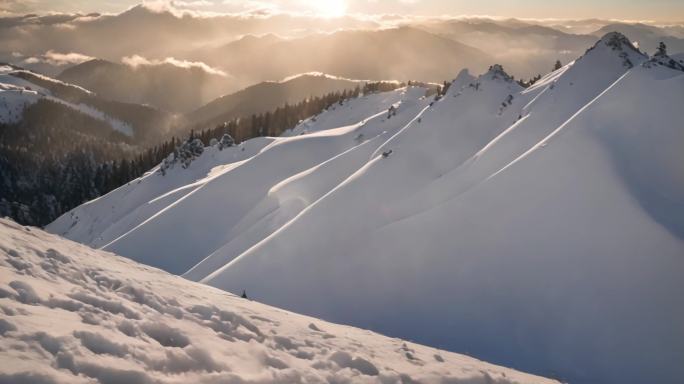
point(56, 158)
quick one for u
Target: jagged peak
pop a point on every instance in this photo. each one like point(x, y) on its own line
point(464, 77)
point(461, 80)
point(622, 47)
point(497, 72)
point(618, 42)
point(463, 74)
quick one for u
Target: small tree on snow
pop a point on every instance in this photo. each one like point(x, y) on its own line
point(558, 65)
point(185, 153)
point(392, 111)
point(226, 141)
point(167, 163)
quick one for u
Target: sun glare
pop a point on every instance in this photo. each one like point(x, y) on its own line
point(330, 8)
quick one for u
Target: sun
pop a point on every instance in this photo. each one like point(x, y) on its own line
point(330, 8)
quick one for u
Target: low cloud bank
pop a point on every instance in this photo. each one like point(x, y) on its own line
point(136, 61)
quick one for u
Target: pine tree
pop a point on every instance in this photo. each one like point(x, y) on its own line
point(558, 65)
point(225, 142)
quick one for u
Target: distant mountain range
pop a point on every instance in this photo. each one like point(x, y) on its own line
point(149, 31)
point(524, 49)
point(165, 86)
point(247, 46)
point(401, 54)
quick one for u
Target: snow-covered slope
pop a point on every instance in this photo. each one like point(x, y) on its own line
point(551, 217)
point(228, 199)
point(14, 96)
point(17, 93)
point(70, 314)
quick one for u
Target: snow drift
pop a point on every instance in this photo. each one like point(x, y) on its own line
point(541, 228)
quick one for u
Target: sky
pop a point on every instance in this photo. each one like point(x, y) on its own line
point(653, 10)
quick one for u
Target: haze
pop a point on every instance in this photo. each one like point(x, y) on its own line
point(659, 10)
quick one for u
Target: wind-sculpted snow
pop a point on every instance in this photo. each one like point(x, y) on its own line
point(70, 314)
point(549, 217)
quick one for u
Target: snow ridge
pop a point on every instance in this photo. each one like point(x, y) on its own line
point(16, 94)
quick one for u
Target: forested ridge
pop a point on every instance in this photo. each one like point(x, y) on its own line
point(56, 158)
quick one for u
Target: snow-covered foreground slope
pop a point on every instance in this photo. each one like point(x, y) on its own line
point(17, 93)
point(70, 314)
point(550, 217)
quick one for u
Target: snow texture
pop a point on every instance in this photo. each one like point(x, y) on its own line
point(540, 228)
point(70, 314)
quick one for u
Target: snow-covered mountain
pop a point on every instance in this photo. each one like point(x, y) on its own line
point(61, 144)
point(174, 86)
point(647, 36)
point(17, 93)
point(540, 228)
point(20, 88)
point(248, 174)
point(70, 314)
point(268, 96)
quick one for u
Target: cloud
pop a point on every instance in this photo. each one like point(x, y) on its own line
point(58, 59)
point(250, 6)
point(158, 6)
point(136, 60)
point(185, 8)
point(14, 7)
point(192, 4)
point(66, 58)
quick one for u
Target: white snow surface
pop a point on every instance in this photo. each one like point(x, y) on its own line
point(16, 94)
point(71, 314)
point(550, 218)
